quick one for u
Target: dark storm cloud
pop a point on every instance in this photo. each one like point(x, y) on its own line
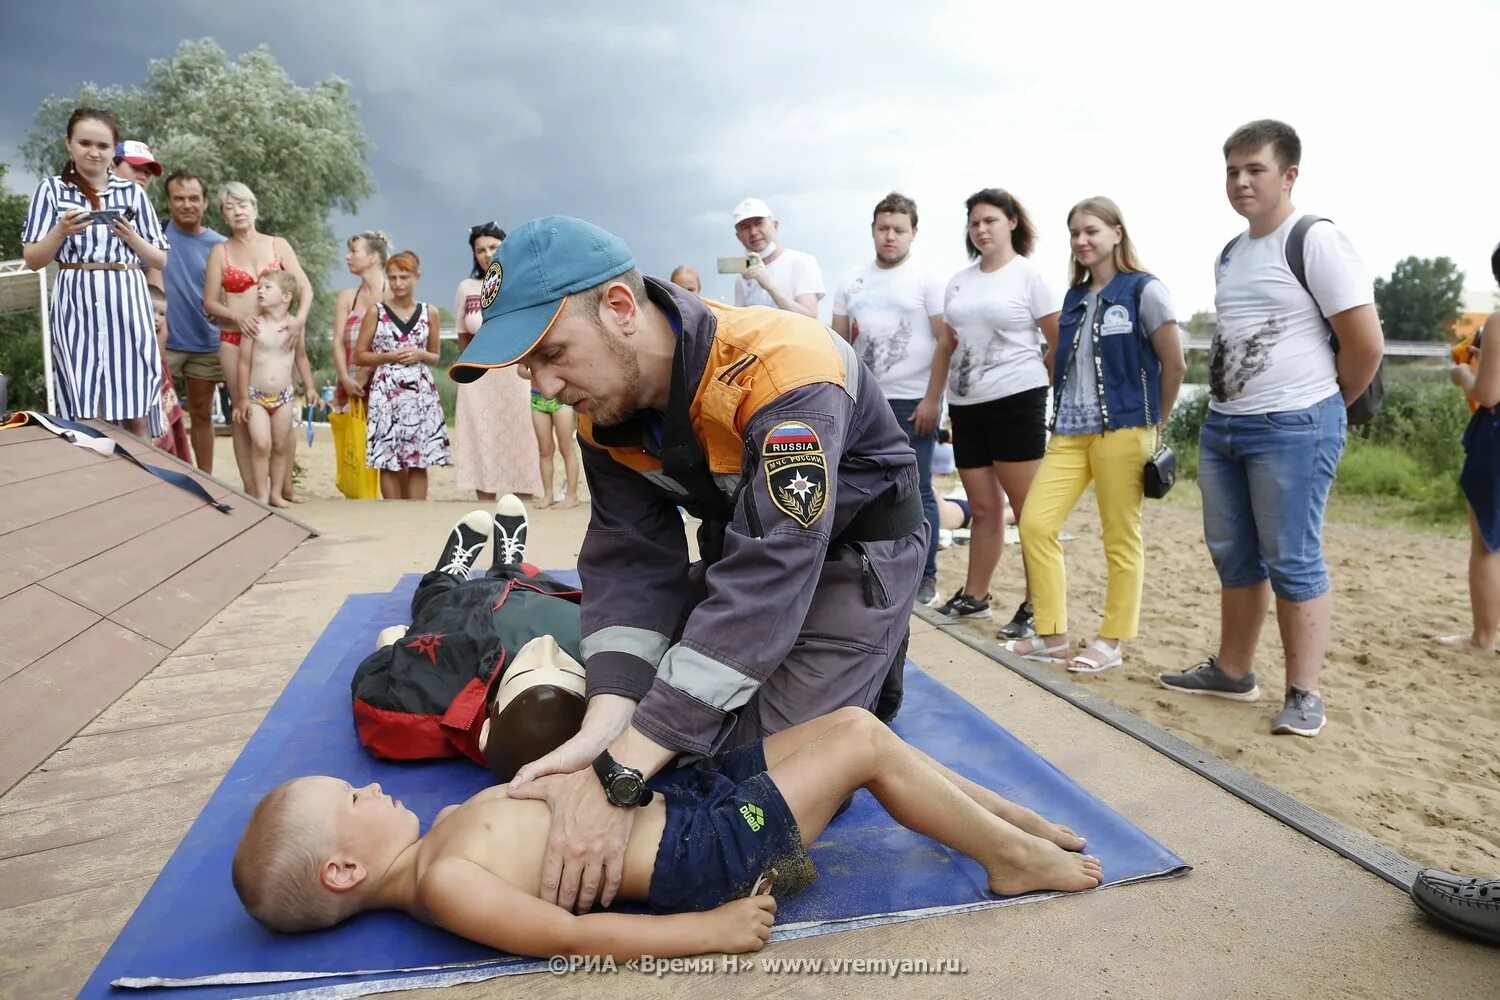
point(477, 112)
point(654, 120)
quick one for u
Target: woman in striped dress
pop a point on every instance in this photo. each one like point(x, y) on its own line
point(103, 334)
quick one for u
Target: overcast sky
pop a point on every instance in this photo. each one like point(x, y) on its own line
point(654, 119)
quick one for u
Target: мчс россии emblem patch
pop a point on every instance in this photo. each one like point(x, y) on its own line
point(796, 471)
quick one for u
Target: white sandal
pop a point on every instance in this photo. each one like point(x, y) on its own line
point(1039, 653)
point(1081, 664)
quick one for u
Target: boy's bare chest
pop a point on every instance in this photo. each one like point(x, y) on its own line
point(503, 835)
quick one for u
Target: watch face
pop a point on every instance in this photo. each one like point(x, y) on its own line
point(625, 788)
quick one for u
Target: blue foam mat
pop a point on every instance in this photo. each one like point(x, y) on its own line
point(190, 934)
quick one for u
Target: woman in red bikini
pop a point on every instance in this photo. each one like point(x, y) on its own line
point(229, 279)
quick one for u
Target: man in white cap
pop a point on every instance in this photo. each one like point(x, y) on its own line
point(780, 278)
point(134, 161)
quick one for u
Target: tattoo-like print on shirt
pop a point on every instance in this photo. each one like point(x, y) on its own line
point(881, 354)
point(1233, 363)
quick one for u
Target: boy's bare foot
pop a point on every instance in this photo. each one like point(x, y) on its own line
point(279, 501)
point(1019, 816)
point(568, 502)
point(1035, 864)
point(1464, 642)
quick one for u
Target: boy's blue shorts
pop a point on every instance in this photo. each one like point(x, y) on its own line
point(726, 825)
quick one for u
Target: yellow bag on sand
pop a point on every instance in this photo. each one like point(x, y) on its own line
point(355, 479)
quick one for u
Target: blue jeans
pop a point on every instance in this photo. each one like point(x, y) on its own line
point(1265, 479)
point(923, 445)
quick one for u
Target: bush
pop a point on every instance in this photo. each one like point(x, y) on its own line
point(21, 361)
point(1377, 470)
point(1424, 417)
point(1186, 422)
point(1410, 452)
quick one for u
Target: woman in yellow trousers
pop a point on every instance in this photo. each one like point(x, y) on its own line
point(1118, 368)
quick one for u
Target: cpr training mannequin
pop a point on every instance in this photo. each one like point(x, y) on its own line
point(488, 668)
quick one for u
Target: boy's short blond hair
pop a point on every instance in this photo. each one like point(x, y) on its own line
point(278, 864)
point(288, 285)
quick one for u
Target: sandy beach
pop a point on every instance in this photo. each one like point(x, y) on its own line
point(1410, 754)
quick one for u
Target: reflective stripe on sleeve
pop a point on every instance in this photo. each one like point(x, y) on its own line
point(706, 679)
point(638, 642)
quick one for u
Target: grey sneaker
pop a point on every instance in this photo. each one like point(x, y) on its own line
point(927, 592)
point(1301, 715)
point(1207, 678)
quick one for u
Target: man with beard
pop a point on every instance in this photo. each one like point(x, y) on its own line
point(192, 338)
point(891, 310)
point(764, 426)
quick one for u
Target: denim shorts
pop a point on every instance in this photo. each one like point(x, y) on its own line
point(1265, 479)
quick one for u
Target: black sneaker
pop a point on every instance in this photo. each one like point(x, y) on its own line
point(962, 605)
point(510, 531)
point(1022, 624)
point(465, 542)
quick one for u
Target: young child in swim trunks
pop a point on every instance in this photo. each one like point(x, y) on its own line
point(317, 851)
point(267, 400)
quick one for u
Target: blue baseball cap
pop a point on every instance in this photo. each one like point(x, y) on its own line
point(534, 271)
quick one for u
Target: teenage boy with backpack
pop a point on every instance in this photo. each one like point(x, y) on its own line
point(1298, 342)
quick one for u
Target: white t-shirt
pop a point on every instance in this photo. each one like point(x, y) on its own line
point(999, 349)
point(794, 272)
point(891, 307)
point(1271, 351)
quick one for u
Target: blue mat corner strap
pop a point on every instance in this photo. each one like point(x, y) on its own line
point(71, 430)
point(190, 930)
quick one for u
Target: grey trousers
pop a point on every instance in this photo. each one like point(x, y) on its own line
point(856, 628)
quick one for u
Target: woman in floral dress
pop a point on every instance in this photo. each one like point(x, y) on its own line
point(399, 340)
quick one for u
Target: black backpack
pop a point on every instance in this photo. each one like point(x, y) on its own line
point(1363, 409)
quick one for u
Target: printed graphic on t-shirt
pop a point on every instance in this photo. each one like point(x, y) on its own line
point(1233, 363)
point(881, 354)
point(973, 361)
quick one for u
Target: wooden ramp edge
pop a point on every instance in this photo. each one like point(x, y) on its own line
point(104, 570)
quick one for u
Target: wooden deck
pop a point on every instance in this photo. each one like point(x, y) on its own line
point(104, 570)
point(1266, 913)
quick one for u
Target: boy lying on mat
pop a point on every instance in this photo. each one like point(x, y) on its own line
point(317, 850)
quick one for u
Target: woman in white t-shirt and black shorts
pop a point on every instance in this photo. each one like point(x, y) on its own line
point(1002, 332)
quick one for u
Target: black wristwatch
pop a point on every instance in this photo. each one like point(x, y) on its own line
point(623, 786)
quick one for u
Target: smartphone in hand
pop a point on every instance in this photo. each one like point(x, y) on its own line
point(106, 216)
point(735, 265)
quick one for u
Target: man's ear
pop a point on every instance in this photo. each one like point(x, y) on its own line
point(341, 874)
point(619, 301)
point(1290, 174)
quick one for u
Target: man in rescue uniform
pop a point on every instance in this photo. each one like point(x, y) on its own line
point(766, 427)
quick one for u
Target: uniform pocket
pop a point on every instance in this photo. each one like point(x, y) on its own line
point(873, 586)
point(718, 413)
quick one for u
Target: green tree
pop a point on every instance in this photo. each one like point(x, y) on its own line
point(20, 333)
point(1201, 324)
point(12, 218)
point(1421, 297)
point(302, 150)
